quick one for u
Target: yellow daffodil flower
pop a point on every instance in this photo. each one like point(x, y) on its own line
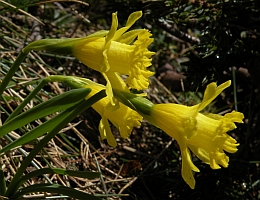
point(116, 52)
point(113, 53)
point(121, 116)
point(204, 134)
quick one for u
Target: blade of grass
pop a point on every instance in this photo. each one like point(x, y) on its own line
point(27, 100)
point(54, 188)
point(23, 152)
point(40, 172)
point(62, 135)
point(12, 71)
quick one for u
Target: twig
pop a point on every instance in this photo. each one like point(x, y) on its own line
point(76, 1)
point(179, 34)
point(134, 151)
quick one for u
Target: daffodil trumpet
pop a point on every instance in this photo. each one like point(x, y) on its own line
point(203, 134)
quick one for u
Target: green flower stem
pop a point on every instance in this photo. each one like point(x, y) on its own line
point(64, 118)
point(134, 101)
point(57, 46)
point(140, 104)
point(12, 71)
point(71, 81)
point(63, 46)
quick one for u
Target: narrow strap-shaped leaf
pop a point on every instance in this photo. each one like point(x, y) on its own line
point(54, 188)
point(65, 117)
point(58, 120)
point(35, 133)
point(39, 172)
point(53, 105)
point(12, 71)
point(27, 100)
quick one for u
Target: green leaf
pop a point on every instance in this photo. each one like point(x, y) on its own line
point(36, 132)
point(63, 118)
point(27, 100)
point(53, 105)
point(12, 71)
point(39, 172)
point(54, 188)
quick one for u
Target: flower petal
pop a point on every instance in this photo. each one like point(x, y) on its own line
point(131, 20)
point(201, 153)
point(187, 165)
point(97, 34)
point(102, 129)
point(112, 30)
point(106, 133)
point(116, 81)
point(109, 91)
point(129, 36)
point(217, 158)
point(212, 91)
point(105, 67)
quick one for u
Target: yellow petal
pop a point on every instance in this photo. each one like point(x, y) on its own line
point(131, 20)
point(90, 52)
point(234, 117)
point(212, 91)
point(109, 91)
point(116, 81)
point(105, 66)
point(218, 158)
point(187, 165)
point(102, 130)
point(202, 154)
point(98, 34)
point(106, 133)
point(112, 30)
point(129, 36)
